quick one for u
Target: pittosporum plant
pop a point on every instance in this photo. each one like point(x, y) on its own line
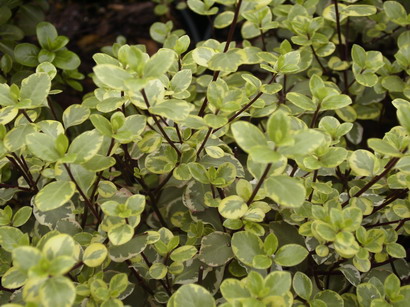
point(244, 172)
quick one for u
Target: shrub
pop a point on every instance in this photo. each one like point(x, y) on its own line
point(240, 173)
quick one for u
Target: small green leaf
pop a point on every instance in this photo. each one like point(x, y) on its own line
point(112, 76)
point(21, 216)
point(246, 245)
point(302, 285)
point(158, 270)
point(364, 163)
point(216, 249)
point(120, 234)
point(183, 253)
point(174, 109)
point(278, 283)
point(247, 135)
point(159, 63)
point(286, 191)
point(192, 295)
point(54, 195)
point(290, 255)
point(75, 114)
point(95, 254)
point(57, 291)
point(43, 146)
point(232, 207)
point(86, 145)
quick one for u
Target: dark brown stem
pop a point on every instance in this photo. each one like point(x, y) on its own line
point(375, 179)
point(86, 199)
point(343, 55)
point(263, 40)
point(53, 112)
point(388, 223)
point(318, 60)
point(259, 184)
point(99, 175)
point(313, 180)
point(208, 134)
point(228, 42)
point(389, 200)
point(159, 125)
point(26, 115)
point(139, 278)
point(248, 105)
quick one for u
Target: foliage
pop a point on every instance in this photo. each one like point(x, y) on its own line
point(234, 173)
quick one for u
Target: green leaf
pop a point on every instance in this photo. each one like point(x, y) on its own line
point(118, 284)
point(223, 20)
point(216, 249)
point(226, 62)
point(21, 216)
point(16, 137)
point(66, 60)
point(403, 114)
point(364, 163)
point(286, 191)
point(302, 285)
point(246, 245)
point(395, 250)
point(159, 63)
point(278, 283)
point(366, 293)
point(351, 273)
point(112, 76)
point(85, 146)
point(131, 129)
point(392, 286)
point(54, 195)
point(13, 278)
point(183, 253)
point(192, 295)
point(158, 270)
point(57, 291)
point(395, 12)
point(26, 54)
point(46, 34)
point(174, 109)
point(233, 289)
point(232, 207)
point(290, 255)
point(128, 250)
point(74, 115)
point(101, 124)
point(7, 114)
point(247, 135)
point(60, 245)
point(306, 141)
point(288, 63)
point(301, 101)
point(278, 128)
point(36, 88)
point(43, 146)
point(6, 99)
point(335, 102)
point(11, 237)
point(95, 254)
point(120, 234)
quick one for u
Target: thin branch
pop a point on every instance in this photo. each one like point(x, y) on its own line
point(375, 179)
point(228, 42)
point(87, 201)
point(343, 54)
point(164, 134)
point(259, 184)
